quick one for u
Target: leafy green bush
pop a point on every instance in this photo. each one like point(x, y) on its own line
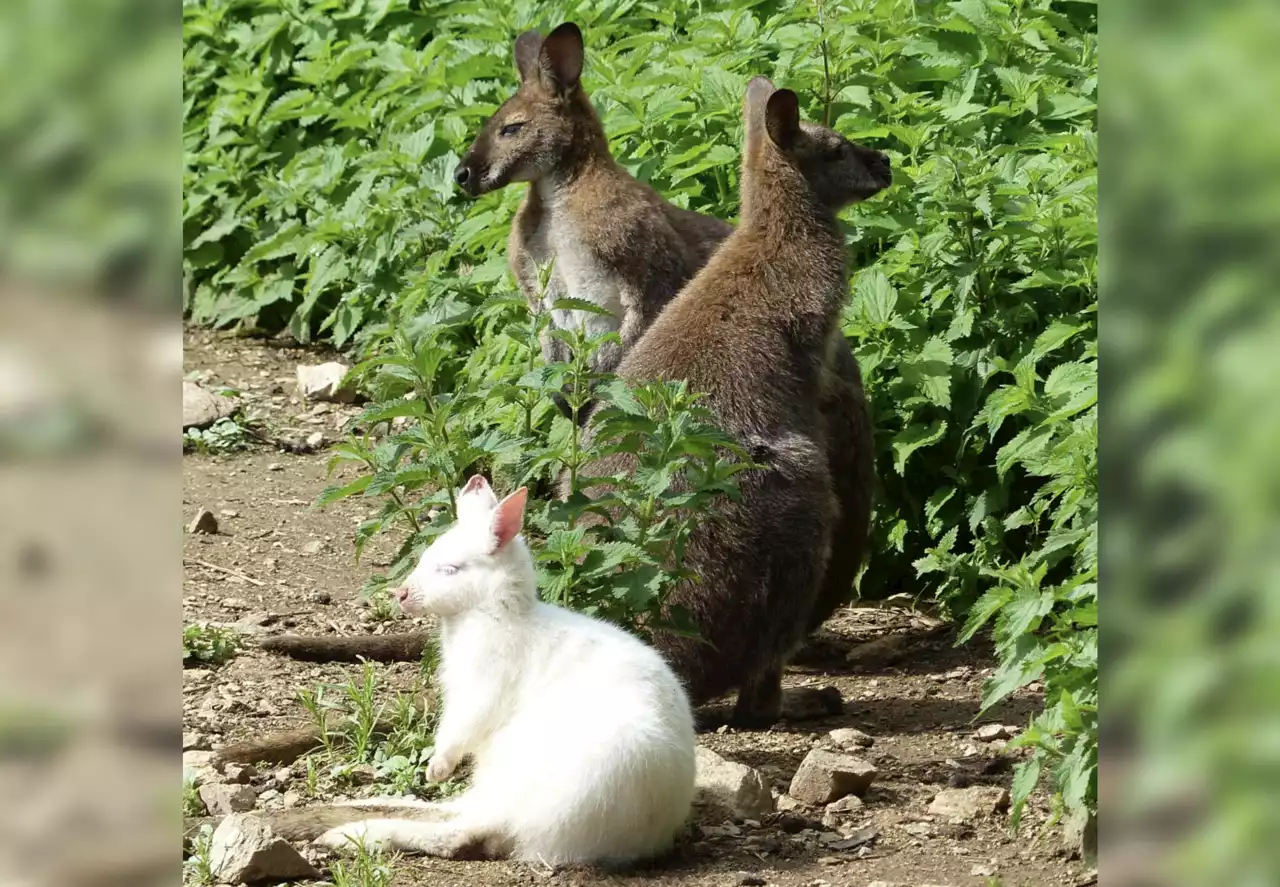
point(204, 644)
point(320, 137)
point(615, 556)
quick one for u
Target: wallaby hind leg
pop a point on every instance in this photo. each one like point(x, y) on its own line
point(759, 699)
point(458, 839)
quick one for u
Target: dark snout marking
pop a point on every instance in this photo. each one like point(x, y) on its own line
point(462, 174)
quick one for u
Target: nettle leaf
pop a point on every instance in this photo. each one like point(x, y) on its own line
point(930, 371)
point(875, 297)
point(913, 438)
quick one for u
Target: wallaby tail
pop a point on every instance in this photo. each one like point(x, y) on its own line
point(286, 746)
point(405, 647)
point(304, 824)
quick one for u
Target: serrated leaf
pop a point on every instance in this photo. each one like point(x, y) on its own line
point(913, 438)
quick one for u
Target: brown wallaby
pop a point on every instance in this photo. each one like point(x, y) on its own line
point(754, 331)
point(611, 239)
point(844, 409)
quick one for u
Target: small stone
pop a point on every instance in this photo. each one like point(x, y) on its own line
point(201, 407)
point(829, 860)
point(291, 798)
point(321, 597)
point(966, 804)
point(992, 732)
point(313, 547)
point(222, 800)
point(199, 767)
point(735, 787)
point(923, 830)
point(269, 795)
point(786, 804)
point(203, 523)
point(745, 880)
point(194, 740)
point(241, 774)
point(793, 824)
point(275, 466)
point(847, 804)
point(315, 440)
point(244, 850)
point(856, 839)
point(362, 774)
point(282, 777)
point(847, 737)
point(982, 871)
point(324, 382)
point(884, 884)
point(228, 512)
point(824, 776)
point(969, 750)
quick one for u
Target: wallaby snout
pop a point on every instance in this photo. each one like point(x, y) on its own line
point(469, 175)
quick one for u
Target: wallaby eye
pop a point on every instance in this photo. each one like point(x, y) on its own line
point(447, 569)
point(510, 129)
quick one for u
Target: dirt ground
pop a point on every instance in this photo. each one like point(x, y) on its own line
point(276, 565)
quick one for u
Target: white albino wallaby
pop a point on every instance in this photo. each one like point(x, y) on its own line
point(581, 736)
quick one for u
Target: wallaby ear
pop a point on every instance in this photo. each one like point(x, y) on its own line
point(476, 499)
point(782, 117)
point(528, 47)
point(508, 518)
point(560, 60)
point(754, 105)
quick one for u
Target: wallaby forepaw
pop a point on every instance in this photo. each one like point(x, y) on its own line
point(440, 768)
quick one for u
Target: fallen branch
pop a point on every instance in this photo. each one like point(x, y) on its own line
point(230, 571)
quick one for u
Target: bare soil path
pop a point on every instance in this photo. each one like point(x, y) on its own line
point(278, 565)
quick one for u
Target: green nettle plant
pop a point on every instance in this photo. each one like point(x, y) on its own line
point(320, 137)
point(615, 553)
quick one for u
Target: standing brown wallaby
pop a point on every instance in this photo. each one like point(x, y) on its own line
point(753, 331)
point(667, 266)
point(612, 240)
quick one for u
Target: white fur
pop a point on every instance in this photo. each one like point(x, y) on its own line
point(582, 737)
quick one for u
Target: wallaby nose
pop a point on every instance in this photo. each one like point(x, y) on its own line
point(884, 158)
point(462, 175)
point(401, 594)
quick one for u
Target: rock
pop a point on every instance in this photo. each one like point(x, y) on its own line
point(745, 880)
point(786, 803)
point(291, 798)
point(201, 407)
point(883, 884)
point(204, 522)
point(324, 382)
point(315, 546)
point(847, 737)
point(824, 776)
point(241, 774)
point(362, 774)
point(315, 440)
point(732, 786)
point(244, 850)
point(922, 830)
point(282, 777)
point(221, 800)
point(793, 824)
point(321, 597)
point(275, 466)
point(194, 740)
point(856, 839)
point(199, 767)
point(982, 871)
point(829, 860)
point(847, 804)
point(269, 795)
point(992, 732)
point(967, 804)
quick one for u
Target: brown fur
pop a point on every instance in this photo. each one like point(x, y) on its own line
point(641, 244)
point(752, 330)
point(580, 143)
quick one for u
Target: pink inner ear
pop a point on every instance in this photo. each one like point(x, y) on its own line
point(508, 517)
point(476, 484)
